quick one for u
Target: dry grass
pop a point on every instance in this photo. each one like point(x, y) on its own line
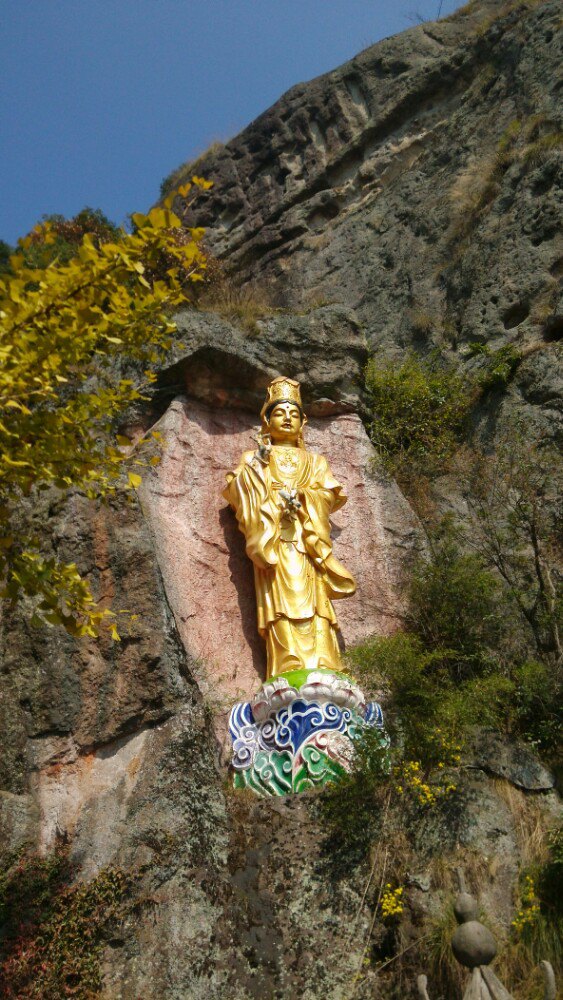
point(530, 823)
point(517, 965)
point(422, 323)
point(539, 152)
point(442, 967)
point(487, 23)
point(544, 304)
point(518, 960)
point(244, 305)
point(519, 970)
point(474, 868)
point(476, 188)
point(186, 170)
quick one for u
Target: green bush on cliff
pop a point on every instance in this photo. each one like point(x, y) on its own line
point(456, 604)
point(500, 364)
point(418, 410)
point(458, 664)
point(482, 641)
point(461, 661)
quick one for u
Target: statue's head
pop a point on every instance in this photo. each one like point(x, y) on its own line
point(282, 415)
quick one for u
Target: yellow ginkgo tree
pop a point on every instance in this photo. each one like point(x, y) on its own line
point(62, 328)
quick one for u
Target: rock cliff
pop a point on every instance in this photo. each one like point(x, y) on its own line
point(420, 185)
point(408, 200)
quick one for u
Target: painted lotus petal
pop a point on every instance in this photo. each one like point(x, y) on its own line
point(316, 691)
point(273, 696)
point(261, 702)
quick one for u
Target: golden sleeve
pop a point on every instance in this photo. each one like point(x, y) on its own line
point(319, 498)
point(249, 493)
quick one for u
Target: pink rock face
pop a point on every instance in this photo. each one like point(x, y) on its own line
point(208, 577)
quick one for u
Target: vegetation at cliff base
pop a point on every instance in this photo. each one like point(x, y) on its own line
point(478, 658)
point(78, 296)
point(53, 929)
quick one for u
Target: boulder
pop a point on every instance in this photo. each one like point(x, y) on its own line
point(498, 756)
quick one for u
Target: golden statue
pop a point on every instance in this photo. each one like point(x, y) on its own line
point(282, 496)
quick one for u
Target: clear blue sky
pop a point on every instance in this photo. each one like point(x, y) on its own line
point(102, 98)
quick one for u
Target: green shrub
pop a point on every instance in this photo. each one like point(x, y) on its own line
point(457, 666)
point(352, 810)
point(500, 365)
point(537, 698)
point(456, 604)
point(418, 412)
point(412, 675)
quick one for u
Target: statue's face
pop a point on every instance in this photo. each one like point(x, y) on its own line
point(285, 423)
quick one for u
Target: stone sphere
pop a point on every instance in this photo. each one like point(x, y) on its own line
point(465, 908)
point(473, 944)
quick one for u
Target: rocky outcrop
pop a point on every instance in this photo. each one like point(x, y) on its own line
point(66, 704)
point(513, 762)
point(419, 185)
point(217, 363)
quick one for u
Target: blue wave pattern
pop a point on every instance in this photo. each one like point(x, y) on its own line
point(293, 726)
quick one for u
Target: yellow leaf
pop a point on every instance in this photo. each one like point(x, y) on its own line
point(159, 218)
point(134, 480)
point(54, 618)
point(202, 183)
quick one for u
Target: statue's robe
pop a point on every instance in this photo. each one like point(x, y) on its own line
point(296, 575)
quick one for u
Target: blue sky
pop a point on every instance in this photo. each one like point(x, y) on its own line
point(103, 98)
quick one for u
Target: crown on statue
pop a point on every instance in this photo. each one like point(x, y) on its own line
point(282, 390)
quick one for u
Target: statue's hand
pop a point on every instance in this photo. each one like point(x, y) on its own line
point(263, 451)
point(292, 502)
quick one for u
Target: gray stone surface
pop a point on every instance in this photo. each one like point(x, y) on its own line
point(501, 758)
point(375, 186)
point(465, 908)
point(54, 687)
point(473, 944)
point(18, 822)
point(219, 363)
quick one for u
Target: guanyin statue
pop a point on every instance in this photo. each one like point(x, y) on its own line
point(283, 496)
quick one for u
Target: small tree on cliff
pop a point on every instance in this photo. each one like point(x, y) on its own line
point(64, 319)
